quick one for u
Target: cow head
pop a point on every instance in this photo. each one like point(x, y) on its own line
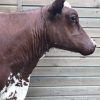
point(64, 29)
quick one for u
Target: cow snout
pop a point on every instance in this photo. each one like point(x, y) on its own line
point(89, 48)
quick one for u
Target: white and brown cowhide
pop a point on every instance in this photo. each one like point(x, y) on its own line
point(16, 88)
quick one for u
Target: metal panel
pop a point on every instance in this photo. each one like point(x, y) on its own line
point(76, 3)
point(64, 91)
point(94, 97)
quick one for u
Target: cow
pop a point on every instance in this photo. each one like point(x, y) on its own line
point(24, 38)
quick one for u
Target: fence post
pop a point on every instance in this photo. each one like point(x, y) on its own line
point(19, 6)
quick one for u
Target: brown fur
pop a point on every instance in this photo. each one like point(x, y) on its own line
point(26, 36)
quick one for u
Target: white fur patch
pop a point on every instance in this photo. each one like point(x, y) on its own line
point(94, 43)
point(16, 90)
point(66, 4)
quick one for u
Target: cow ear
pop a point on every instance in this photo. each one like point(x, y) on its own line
point(56, 7)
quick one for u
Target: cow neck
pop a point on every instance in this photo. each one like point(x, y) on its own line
point(40, 38)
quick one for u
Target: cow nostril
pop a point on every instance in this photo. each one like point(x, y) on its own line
point(95, 45)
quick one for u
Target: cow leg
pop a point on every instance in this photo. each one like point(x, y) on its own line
point(16, 90)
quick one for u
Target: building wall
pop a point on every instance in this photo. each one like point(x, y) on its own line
point(63, 75)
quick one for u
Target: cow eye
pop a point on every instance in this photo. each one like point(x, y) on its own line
point(73, 18)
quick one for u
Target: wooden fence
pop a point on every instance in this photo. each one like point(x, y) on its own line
point(64, 75)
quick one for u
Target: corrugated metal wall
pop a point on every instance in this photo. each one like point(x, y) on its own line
point(64, 75)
